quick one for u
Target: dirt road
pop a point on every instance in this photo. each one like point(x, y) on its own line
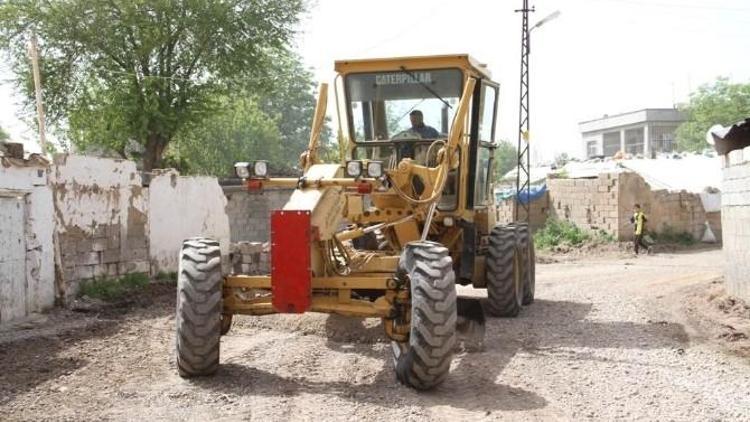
point(606, 339)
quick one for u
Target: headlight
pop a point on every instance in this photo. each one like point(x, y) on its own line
point(354, 168)
point(375, 169)
point(242, 170)
point(260, 169)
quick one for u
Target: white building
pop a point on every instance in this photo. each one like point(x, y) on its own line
point(644, 132)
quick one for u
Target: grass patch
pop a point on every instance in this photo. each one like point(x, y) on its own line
point(110, 289)
point(166, 277)
point(556, 233)
point(671, 236)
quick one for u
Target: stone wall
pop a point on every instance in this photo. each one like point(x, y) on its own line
point(250, 213)
point(538, 209)
point(181, 207)
point(27, 274)
point(101, 219)
point(735, 218)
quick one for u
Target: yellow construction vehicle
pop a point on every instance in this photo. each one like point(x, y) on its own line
point(388, 232)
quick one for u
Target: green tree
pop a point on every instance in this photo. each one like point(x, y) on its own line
point(506, 157)
point(3, 135)
point(722, 103)
point(129, 76)
point(273, 125)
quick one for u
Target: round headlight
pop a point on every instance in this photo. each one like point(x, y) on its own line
point(375, 169)
point(354, 168)
point(260, 169)
point(242, 170)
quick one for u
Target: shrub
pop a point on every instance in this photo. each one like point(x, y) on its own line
point(113, 288)
point(565, 233)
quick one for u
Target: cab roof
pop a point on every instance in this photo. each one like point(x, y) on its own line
point(462, 61)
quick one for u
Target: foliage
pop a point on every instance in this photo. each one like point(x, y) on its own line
point(274, 126)
point(505, 159)
point(129, 76)
point(722, 103)
point(669, 235)
point(565, 233)
point(3, 135)
point(166, 277)
point(110, 289)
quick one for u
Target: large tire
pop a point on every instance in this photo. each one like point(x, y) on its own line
point(528, 262)
point(424, 361)
point(504, 283)
point(199, 294)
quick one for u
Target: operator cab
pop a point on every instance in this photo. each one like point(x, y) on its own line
point(404, 108)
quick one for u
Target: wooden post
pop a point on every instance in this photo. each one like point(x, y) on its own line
point(34, 53)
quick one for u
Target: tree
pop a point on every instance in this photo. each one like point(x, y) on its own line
point(506, 159)
point(722, 103)
point(3, 135)
point(129, 76)
point(274, 126)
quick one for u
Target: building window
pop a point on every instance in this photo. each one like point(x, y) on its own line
point(634, 141)
point(592, 148)
point(661, 138)
point(611, 142)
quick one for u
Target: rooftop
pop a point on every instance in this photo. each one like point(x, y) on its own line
point(630, 118)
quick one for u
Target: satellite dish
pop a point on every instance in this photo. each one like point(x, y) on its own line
point(710, 134)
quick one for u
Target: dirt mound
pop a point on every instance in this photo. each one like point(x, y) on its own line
point(720, 317)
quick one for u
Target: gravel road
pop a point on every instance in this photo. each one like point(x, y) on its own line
point(606, 339)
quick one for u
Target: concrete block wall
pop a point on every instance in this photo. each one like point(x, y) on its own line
point(250, 213)
point(591, 204)
point(249, 258)
point(735, 219)
point(101, 219)
point(538, 210)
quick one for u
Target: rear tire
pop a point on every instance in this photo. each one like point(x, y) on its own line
point(504, 282)
point(424, 361)
point(199, 284)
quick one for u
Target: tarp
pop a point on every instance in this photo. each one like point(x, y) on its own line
point(534, 193)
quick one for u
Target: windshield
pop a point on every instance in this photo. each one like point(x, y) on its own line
point(410, 104)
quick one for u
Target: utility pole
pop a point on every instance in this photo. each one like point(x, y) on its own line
point(34, 53)
point(523, 158)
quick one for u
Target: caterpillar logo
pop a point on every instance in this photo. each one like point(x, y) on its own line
point(403, 78)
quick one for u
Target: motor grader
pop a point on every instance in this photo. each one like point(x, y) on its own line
point(387, 232)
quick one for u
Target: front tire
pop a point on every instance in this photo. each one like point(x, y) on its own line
point(424, 361)
point(504, 282)
point(199, 320)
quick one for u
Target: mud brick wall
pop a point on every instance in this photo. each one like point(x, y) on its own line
point(735, 219)
point(538, 209)
point(101, 219)
point(249, 258)
point(250, 213)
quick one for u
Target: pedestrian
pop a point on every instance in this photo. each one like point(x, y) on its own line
point(639, 220)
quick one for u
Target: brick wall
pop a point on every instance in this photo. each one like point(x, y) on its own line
point(538, 209)
point(592, 204)
point(606, 203)
point(250, 213)
point(735, 219)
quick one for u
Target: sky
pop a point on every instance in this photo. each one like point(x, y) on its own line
point(599, 57)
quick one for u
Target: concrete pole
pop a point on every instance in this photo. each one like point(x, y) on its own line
point(646, 146)
point(622, 140)
point(34, 53)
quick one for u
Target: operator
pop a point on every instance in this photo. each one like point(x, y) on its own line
point(639, 219)
point(417, 125)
